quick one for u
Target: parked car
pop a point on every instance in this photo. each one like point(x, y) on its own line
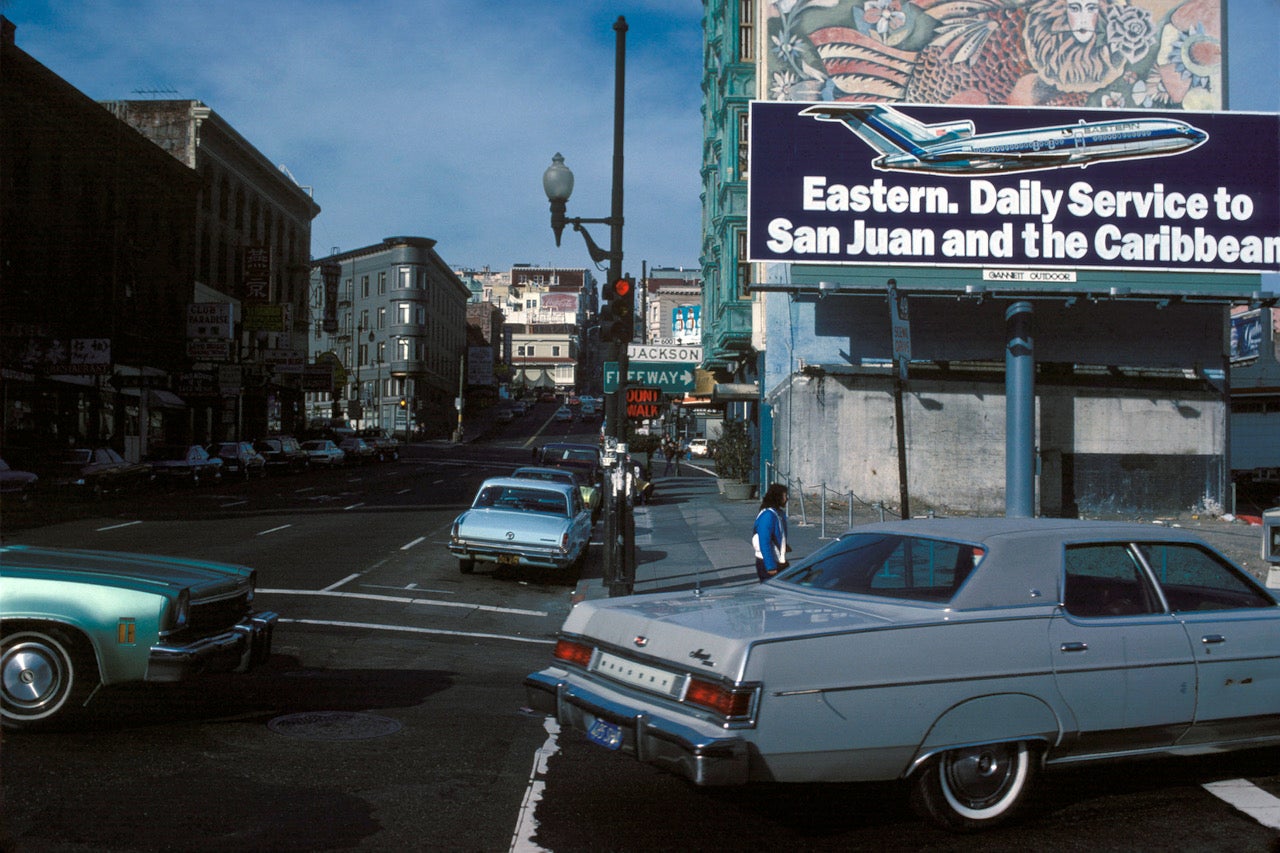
point(961, 655)
point(184, 463)
point(73, 620)
point(699, 448)
point(584, 460)
point(358, 451)
point(282, 453)
point(564, 413)
point(239, 459)
point(19, 484)
point(589, 412)
point(94, 471)
point(322, 451)
point(386, 448)
point(518, 522)
point(591, 494)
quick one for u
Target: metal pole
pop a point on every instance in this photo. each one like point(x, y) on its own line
point(1020, 412)
point(899, 416)
point(617, 572)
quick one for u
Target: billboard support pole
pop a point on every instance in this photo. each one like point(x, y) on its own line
point(1020, 413)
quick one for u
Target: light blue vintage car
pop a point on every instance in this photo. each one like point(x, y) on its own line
point(963, 655)
point(522, 522)
point(73, 620)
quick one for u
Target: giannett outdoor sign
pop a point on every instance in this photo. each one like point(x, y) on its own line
point(848, 183)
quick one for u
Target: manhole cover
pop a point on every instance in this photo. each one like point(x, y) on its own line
point(334, 725)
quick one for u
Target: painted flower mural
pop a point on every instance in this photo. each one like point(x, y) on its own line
point(1114, 53)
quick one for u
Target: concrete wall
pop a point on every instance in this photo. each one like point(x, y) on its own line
point(1102, 450)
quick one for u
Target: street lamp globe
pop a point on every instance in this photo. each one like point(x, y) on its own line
point(557, 181)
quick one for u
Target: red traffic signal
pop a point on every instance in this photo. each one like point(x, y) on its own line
point(622, 288)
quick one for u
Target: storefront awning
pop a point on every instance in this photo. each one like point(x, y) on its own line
point(729, 392)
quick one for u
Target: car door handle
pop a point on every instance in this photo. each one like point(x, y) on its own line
point(1212, 639)
point(1075, 647)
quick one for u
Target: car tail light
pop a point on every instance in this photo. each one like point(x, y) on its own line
point(728, 701)
point(573, 652)
point(564, 543)
point(182, 610)
point(453, 532)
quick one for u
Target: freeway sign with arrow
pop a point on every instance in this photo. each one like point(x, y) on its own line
point(672, 377)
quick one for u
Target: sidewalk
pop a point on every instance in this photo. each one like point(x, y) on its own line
point(691, 536)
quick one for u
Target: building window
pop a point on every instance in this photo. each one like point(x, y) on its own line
point(520, 350)
point(402, 349)
point(744, 138)
point(382, 282)
point(364, 287)
point(382, 352)
point(404, 313)
point(404, 278)
point(746, 30)
point(744, 268)
point(382, 317)
point(555, 351)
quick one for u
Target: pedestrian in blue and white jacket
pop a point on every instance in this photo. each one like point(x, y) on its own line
point(769, 534)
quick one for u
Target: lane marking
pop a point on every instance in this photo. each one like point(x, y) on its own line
point(417, 541)
point(274, 529)
point(371, 626)
point(328, 592)
point(526, 825)
point(353, 506)
point(1247, 797)
point(404, 491)
point(117, 526)
point(342, 582)
point(412, 587)
point(233, 503)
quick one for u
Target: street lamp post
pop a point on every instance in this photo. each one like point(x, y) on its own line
point(360, 330)
point(557, 182)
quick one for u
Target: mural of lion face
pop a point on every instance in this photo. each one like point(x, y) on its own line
point(1066, 43)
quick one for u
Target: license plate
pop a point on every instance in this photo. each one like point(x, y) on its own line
point(508, 559)
point(605, 733)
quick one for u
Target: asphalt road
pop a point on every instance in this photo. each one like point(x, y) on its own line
point(391, 714)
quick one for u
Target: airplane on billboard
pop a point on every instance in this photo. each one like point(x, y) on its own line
point(952, 148)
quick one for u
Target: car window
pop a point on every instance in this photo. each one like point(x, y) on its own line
point(889, 565)
point(1106, 579)
point(1193, 578)
point(530, 500)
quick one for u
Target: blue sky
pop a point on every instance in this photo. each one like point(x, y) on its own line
point(436, 118)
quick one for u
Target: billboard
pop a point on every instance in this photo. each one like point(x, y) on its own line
point(1144, 54)
point(878, 184)
point(686, 324)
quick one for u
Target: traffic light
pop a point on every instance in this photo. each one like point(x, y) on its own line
point(618, 316)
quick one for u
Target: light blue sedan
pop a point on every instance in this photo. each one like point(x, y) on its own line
point(960, 655)
point(522, 522)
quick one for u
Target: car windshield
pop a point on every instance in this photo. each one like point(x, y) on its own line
point(522, 498)
point(74, 457)
point(888, 565)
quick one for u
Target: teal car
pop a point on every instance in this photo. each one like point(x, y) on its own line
point(71, 621)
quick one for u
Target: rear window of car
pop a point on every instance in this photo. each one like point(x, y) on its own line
point(889, 566)
point(527, 499)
